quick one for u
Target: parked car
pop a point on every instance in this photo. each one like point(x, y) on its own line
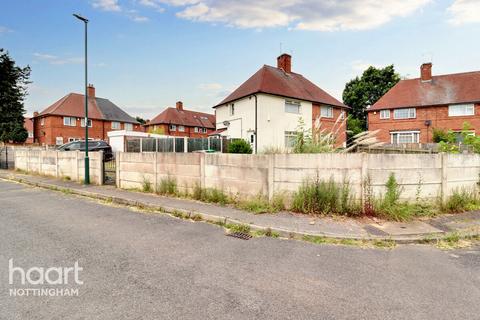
point(93, 146)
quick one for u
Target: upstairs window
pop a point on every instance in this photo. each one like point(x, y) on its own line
point(82, 122)
point(173, 127)
point(70, 121)
point(406, 113)
point(128, 126)
point(326, 112)
point(42, 122)
point(292, 106)
point(384, 114)
point(232, 109)
point(115, 125)
point(204, 130)
point(195, 129)
point(181, 128)
point(458, 110)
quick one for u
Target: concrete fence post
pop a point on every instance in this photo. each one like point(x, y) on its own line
point(56, 164)
point(363, 178)
point(28, 160)
point(101, 168)
point(271, 176)
point(444, 191)
point(76, 166)
point(40, 161)
point(155, 171)
point(202, 170)
point(185, 144)
point(117, 168)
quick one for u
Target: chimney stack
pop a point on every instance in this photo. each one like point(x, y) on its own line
point(426, 72)
point(91, 91)
point(179, 105)
point(35, 114)
point(284, 62)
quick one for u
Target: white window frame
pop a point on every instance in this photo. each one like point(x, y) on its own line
point(116, 125)
point(30, 134)
point(72, 121)
point(195, 130)
point(290, 138)
point(74, 139)
point(415, 134)
point(181, 128)
point(468, 110)
point(172, 127)
point(204, 130)
point(411, 113)
point(58, 142)
point(292, 106)
point(385, 114)
point(128, 126)
point(232, 109)
point(42, 122)
point(326, 112)
point(82, 123)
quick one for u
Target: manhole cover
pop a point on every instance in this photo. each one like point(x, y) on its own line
point(240, 235)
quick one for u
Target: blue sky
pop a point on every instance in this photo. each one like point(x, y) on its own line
point(146, 54)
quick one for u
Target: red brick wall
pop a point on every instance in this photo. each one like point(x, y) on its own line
point(438, 115)
point(329, 124)
point(189, 131)
point(53, 127)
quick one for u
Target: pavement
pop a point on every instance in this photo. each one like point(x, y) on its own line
point(154, 266)
point(287, 224)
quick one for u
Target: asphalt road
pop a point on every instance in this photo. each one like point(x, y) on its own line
point(145, 266)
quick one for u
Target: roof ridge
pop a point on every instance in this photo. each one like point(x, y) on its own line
point(59, 103)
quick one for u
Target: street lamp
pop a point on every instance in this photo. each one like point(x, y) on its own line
point(87, 160)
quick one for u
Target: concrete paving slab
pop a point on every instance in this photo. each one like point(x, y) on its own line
point(403, 228)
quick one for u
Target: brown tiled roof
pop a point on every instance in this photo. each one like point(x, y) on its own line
point(185, 118)
point(442, 90)
point(275, 81)
point(73, 105)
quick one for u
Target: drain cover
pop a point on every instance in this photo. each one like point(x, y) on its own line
point(240, 235)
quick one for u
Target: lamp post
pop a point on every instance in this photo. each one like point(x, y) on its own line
point(87, 160)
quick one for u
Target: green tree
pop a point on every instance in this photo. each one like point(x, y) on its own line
point(13, 89)
point(239, 146)
point(141, 120)
point(361, 92)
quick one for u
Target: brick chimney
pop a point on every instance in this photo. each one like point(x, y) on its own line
point(284, 62)
point(91, 91)
point(179, 106)
point(35, 114)
point(426, 72)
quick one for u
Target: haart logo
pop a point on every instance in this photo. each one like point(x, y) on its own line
point(37, 276)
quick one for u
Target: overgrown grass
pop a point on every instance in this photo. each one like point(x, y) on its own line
point(260, 204)
point(167, 186)
point(462, 200)
point(325, 197)
point(146, 185)
point(210, 195)
point(385, 244)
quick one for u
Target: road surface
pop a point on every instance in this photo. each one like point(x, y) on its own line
point(149, 266)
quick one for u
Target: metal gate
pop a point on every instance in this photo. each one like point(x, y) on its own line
point(109, 171)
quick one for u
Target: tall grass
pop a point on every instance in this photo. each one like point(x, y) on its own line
point(461, 200)
point(324, 197)
point(167, 186)
point(210, 195)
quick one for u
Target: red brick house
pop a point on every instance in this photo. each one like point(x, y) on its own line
point(28, 125)
point(410, 111)
point(64, 120)
point(181, 122)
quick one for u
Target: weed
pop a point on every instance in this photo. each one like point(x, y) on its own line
point(67, 178)
point(196, 217)
point(462, 200)
point(245, 228)
point(324, 197)
point(146, 185)
point(267, 233)
point(210, 195)
point(167, 186)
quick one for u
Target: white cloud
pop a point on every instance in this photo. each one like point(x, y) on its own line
point(210, 86)
point(4, 30)
point(52, 59)
point(322, 15)
point(464, 11)
point(107, 5)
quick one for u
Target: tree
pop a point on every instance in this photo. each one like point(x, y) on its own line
point(13, 89)
point(141, 120)
point(365, 91)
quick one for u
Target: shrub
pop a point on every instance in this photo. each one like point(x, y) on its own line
point(167, 186)
point(239, 146)
point(324, 197)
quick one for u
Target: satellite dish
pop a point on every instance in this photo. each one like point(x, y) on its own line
point(226, 123)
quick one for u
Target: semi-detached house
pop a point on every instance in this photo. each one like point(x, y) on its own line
point(64, 121)
point(413, 108)
point(266, 109)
